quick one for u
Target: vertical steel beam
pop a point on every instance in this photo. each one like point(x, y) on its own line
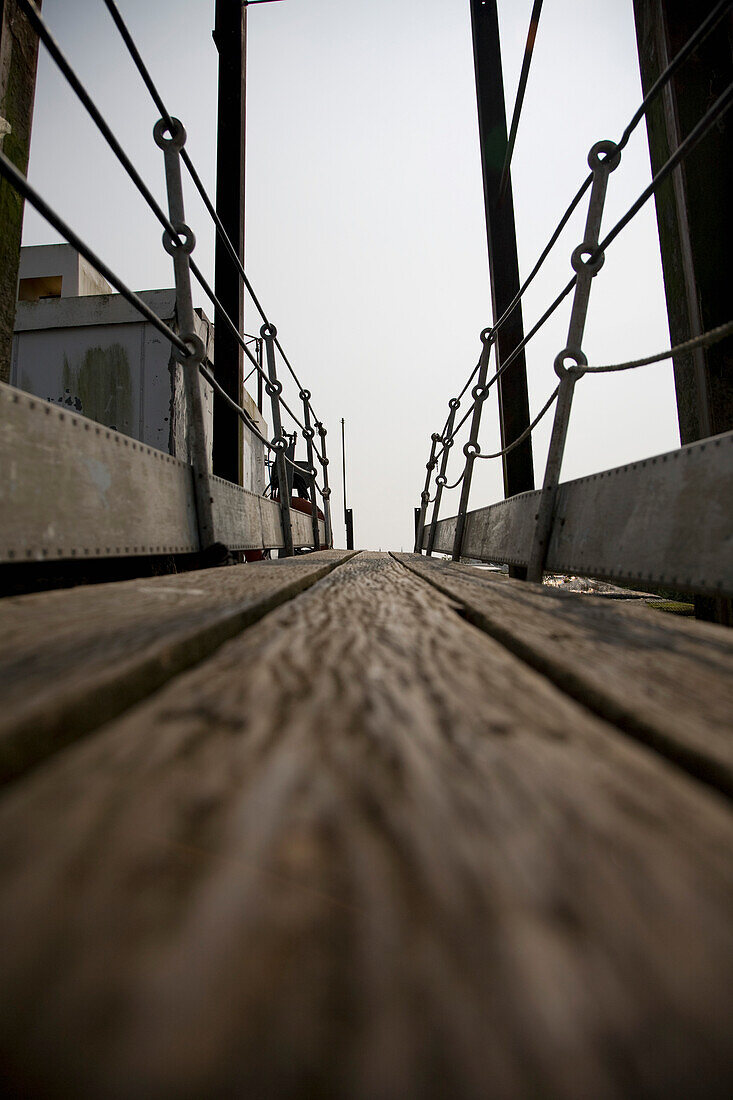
point(348, 513)
point(693, 214)
point(502, 242)
point(230, 36)
point(18, 61)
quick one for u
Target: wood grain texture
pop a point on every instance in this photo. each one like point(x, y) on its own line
point(365, 852)
point(74, 659)
point(664, 680)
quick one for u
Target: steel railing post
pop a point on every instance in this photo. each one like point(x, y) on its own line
point(587, 261)
point(323, 458)
point(425, 495)
point(471, 448)
point(441, 479)
point(180, 248)
point(279, 442)
point(308, 434)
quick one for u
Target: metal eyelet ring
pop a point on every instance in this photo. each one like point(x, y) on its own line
point(471, 450)
point(575, 370)
point(611, 159)
point(582, 259)
point(268, 330)
point(308, 433)
point(435, 437)
point(486, 335)
point(305, 395)
point(186, 239)
point(274, 389)
point(454, 403)
point(480, 393)
point(449, 443)
point(441, 480)
point(280, 445)
point(196, 349)
point(166, 140)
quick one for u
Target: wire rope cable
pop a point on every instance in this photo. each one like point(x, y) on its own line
point(705, 340)
point(95, 114)
point(534, 21)
point(29, 193)
point(196, 179)
point(528, 430)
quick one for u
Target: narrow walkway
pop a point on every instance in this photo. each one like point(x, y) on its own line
point(363, 826)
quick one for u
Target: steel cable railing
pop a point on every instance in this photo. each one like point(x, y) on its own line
point(177, 237)
point(705, 28)
point(196, 179)
point(587, 260)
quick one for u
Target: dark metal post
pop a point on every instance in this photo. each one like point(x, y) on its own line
point(502, 242)
point(693, 215)
point(348, 513)
point(18, 60)
point(308, 434)
point(441, 479)
point(471, 449)
point(279, 442)
point(425, 495)
point(693, 205)
point(230, 36)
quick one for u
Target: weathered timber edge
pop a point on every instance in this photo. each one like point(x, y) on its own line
point(79, 708)
point(624, 700)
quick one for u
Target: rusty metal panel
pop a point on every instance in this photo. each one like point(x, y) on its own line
point(72, 488)
point(666, 521)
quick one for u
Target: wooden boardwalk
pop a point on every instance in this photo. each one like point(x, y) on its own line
point(370, 827)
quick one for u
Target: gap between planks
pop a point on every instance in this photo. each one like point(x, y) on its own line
point(661, 680)
point(76, 658)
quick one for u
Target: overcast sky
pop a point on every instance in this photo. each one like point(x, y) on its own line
point(365, 232)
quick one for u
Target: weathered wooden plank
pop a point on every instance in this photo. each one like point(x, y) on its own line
point(665, 680)
point(666, 520)
point(74, 659)
point(392, 861)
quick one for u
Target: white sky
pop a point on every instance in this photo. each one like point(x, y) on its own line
point(365, 232)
